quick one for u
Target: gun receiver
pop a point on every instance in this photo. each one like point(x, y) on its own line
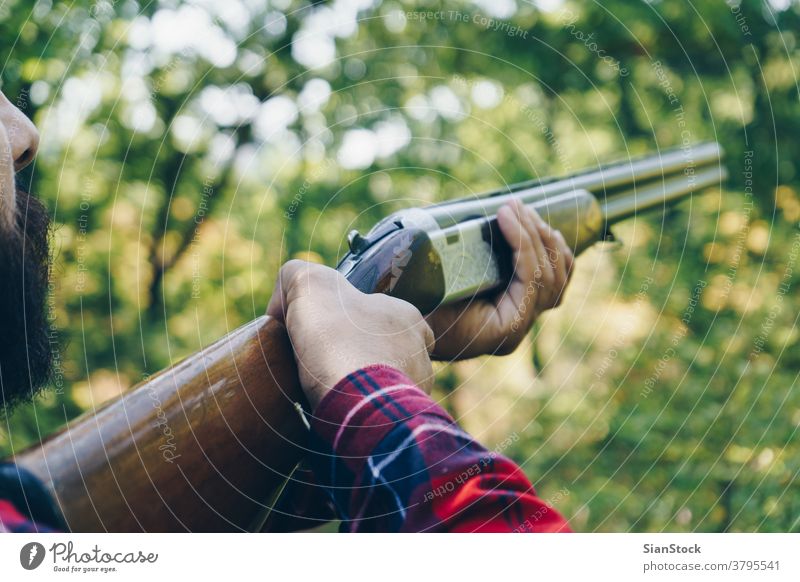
point(453, 250)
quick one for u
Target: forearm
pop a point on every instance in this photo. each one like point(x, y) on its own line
point(396, 461)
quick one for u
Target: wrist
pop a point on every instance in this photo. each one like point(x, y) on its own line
point(318, 391)
point(319, 394)
point(315, 394)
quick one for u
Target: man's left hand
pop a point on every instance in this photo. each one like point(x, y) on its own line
point(496, 325)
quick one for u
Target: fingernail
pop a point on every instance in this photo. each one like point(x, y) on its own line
point(509, 209)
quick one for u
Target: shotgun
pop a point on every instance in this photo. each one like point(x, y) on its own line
point(208, 444)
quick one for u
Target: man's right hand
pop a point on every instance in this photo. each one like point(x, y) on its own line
point(335, 329)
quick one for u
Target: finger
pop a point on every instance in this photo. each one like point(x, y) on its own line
point(566, 251)
point(524, 258)
point(277, 305)
point(294, 281)
point(517, 234)
point(545, 277)
point(429, 337)
point(555, 243)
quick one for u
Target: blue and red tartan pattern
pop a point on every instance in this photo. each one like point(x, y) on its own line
point(12, 521)
point(395, 461)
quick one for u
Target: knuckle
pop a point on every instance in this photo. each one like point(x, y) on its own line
point(296, 273)
point(373, 305)
point(291, 272)
point(294, 266)
point(408, 311)
point(428, 336)
point(398, 313)
point(422, 323)
point(561, 242)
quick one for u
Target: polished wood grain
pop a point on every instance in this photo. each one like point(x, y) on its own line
point(203, 446)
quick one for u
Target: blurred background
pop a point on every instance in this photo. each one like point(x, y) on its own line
point(191, 147)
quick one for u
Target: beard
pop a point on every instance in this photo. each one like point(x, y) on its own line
point(25, 352)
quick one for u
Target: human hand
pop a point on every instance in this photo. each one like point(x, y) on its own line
point(542, 268)
point(335, 329)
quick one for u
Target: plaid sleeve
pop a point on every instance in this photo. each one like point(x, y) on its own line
point(393, 460)
point(25, 504)
point(12, 521)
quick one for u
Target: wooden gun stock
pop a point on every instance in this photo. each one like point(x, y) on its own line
point(202, 446)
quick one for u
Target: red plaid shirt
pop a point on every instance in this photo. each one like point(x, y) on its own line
point(393, 460)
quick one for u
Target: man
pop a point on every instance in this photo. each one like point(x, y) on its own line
point(390, 458)
point(24, 269)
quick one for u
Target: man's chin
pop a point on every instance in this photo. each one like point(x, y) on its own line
point(25, 352)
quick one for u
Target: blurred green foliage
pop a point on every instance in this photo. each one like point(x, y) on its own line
point(189, 148)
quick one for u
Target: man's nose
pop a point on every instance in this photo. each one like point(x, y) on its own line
point(24, 141)
point(22, 135)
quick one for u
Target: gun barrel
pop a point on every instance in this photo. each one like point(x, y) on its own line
point(658, 194)
point(620, 175)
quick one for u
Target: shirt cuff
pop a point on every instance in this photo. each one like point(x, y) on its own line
point(354, 417)
point(366, 404)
